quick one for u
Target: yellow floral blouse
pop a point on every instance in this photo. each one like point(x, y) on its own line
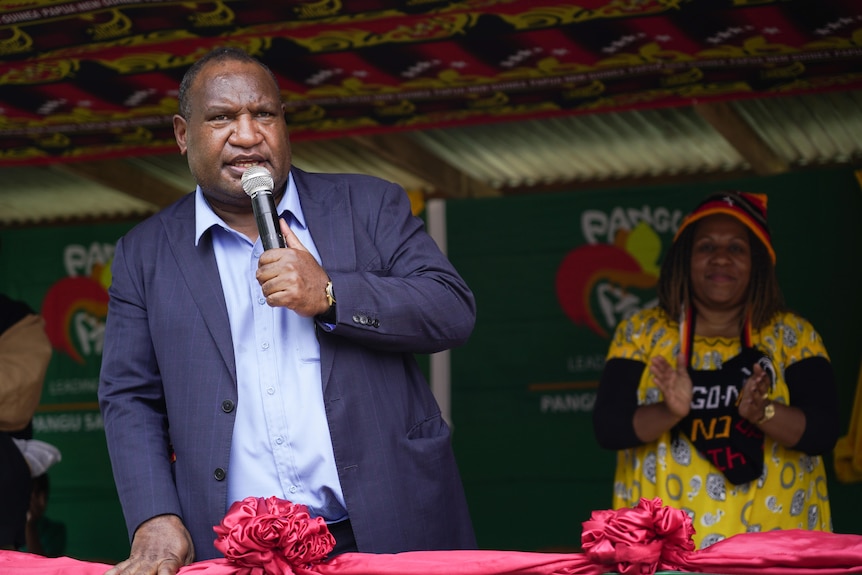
point(791, 493)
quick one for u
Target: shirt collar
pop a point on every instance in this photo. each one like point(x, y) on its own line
point(205, 217)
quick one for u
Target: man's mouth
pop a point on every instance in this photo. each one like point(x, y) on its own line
point(246, 163)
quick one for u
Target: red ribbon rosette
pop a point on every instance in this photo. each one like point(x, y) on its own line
point(635, 540)
point(272, 536)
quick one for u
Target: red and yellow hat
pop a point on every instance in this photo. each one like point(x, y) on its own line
point(748, 208)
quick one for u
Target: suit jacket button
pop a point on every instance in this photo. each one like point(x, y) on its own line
point(219, 474)
point(356, 319)
point(227, 406)
point(376, 323)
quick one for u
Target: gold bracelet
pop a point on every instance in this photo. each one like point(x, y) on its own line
point(768, 413)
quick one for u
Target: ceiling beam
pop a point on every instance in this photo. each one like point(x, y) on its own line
point(739, 134)
point(126, 178)
point(402, 151)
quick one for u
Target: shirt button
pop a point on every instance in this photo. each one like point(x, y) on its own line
point(279, 440)
point(261, 300)
point(292, 489)
point(227, 406)
point(265, 345)
point(219, 474)
point(270, 390)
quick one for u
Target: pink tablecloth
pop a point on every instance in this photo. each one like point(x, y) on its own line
point(638, 541)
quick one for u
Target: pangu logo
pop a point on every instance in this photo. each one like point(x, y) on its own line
point(599, 284)
point(75, 307)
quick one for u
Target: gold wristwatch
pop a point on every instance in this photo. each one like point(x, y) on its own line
point(330, 297)
point(768, 413)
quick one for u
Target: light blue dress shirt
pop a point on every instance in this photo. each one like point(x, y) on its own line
point(281, 444)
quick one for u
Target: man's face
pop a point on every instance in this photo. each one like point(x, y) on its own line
point(236, 121)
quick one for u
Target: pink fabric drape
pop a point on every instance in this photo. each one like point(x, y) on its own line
point(274, 537)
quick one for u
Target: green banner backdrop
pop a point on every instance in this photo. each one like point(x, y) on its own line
point(552, 275)
point(64, 273)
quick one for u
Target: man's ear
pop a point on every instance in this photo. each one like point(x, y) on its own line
point(180, 132)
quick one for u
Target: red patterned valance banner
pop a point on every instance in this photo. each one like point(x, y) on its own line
point(94, 79)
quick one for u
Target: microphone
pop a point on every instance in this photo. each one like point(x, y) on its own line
point(257, 183)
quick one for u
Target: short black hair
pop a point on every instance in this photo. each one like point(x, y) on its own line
point(220, 54)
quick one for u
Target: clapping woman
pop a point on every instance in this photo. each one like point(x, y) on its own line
point(720, 400)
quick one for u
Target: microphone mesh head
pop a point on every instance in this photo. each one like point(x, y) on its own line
point(255, 180)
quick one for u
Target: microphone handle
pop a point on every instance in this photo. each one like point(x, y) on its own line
point(267, 220)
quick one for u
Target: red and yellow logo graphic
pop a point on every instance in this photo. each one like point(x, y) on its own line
point(610, 275)
point(75, 309)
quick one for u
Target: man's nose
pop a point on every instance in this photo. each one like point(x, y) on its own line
point(245, 131)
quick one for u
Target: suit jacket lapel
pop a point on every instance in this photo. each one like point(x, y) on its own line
point(327, 214)
point(200, 271)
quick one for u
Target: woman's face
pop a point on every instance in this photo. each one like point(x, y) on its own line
point(720, 263)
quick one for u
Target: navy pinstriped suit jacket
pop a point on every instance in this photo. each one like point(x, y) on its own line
point(168, 376)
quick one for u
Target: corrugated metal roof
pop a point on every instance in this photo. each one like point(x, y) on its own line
point(810, 129)
point(31, 196)
point(570, 152)
point(594, 148)
point(343, 155)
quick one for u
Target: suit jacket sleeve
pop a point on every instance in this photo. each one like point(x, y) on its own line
point(132, 400)
point(396, 291)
